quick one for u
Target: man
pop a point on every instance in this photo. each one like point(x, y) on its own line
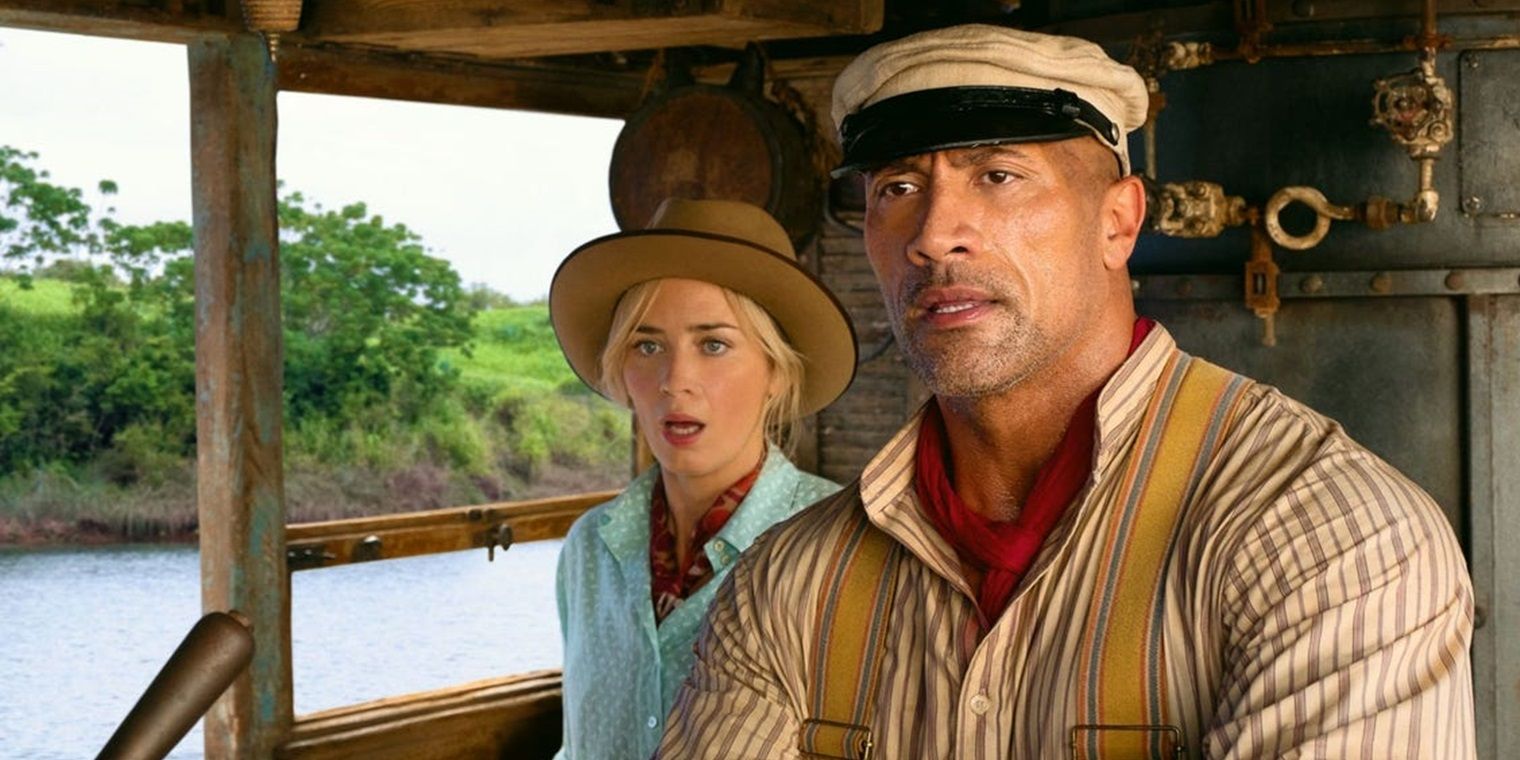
point(1088, 544)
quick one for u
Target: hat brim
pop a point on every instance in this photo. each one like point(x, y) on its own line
point(589, 282)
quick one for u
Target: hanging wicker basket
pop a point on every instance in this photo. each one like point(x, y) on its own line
point(272, 16)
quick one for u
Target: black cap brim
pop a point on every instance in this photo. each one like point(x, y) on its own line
point(959, 117)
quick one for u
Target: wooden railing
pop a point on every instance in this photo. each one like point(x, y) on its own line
point(340, 542)
point(516, 716)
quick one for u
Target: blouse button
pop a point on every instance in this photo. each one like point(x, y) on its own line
point(980, 704)
point(652, 722)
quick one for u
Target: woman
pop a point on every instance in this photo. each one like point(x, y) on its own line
point(703, 324)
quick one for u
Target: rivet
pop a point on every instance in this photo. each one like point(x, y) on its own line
point(1471, 61)
point(1382, 282)
point(1472, 204)
point(1134, 285)
point(1312, 284)
point(1456, 281)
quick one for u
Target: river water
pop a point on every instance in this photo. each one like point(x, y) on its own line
point(83, 632)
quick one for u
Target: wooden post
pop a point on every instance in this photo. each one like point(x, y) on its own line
point(238, 364)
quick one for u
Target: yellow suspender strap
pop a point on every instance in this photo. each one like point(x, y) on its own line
point(1123, 691)
point(848, 644)
point(1123, 694)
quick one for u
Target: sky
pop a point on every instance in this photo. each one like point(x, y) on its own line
point(503, 195)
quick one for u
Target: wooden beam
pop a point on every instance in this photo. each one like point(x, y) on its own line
point(238, 364)
point(516, 716)
point(171, 22)
point(363, 539)
point(531, 28)
point(337, 70)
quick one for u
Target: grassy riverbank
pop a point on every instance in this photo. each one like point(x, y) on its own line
point(515, 423)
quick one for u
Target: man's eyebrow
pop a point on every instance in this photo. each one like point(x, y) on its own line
point(959, 159)
point(895, 166)
point(986, 153)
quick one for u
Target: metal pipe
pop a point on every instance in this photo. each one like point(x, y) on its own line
point(1428, 38)
point(212, 655)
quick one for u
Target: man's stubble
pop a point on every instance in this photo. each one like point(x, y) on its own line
point(986, 358)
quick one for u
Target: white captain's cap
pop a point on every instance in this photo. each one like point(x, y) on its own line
point(981, 85)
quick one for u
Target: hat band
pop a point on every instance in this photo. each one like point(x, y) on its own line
point(952, 117)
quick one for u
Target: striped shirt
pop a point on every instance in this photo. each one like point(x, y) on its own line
point(1316, 605)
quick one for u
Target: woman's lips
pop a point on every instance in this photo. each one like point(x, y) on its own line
point(681, 430)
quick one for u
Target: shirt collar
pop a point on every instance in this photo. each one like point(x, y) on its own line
point(886, 483)
point(769, 501)
point(625, 521)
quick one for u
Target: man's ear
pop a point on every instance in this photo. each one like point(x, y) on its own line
point(1123, 215)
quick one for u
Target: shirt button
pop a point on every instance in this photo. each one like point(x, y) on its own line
point(980, 704)
point(652, 722)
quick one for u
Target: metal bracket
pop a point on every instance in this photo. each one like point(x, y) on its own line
point(306, 557)
point(501, 536)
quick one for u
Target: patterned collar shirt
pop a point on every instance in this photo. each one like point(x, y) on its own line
point(622, 665)
point(1315, 603)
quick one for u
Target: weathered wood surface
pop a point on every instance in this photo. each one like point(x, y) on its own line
point(337, 70)
point(529, 28)
point(337, 542)
point(238, 367)
point(517, 716)
point(155, 21)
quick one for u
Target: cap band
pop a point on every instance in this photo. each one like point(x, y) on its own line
point(954, 117)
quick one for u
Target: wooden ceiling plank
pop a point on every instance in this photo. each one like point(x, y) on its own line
point(111, 19)
point(333, 19)
point(530, 28)
point(535, 40)
point(378, 74)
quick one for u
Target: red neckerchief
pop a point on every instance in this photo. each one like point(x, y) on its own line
point(1003, 550)
point(670, 583)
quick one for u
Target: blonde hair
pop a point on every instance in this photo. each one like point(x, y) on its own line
point(782, 409)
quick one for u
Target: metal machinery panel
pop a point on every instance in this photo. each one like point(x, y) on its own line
point(1255, 128)
point(1488, 123)
point(1388, 369)
point(1493, 520)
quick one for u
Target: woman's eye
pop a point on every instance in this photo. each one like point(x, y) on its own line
point(714, 347)
point(646, 347)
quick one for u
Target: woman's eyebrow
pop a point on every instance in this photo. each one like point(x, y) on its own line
point(704, 327)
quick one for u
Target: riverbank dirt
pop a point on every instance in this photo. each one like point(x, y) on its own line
point(166, 512)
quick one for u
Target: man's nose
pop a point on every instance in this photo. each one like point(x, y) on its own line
point(945, 228)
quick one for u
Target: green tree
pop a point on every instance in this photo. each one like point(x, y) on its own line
point(366, 312)
point(37, 217)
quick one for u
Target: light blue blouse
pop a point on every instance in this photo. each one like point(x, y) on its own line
point(621, 669)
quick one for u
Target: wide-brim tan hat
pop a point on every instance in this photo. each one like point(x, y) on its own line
point(728, 243)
